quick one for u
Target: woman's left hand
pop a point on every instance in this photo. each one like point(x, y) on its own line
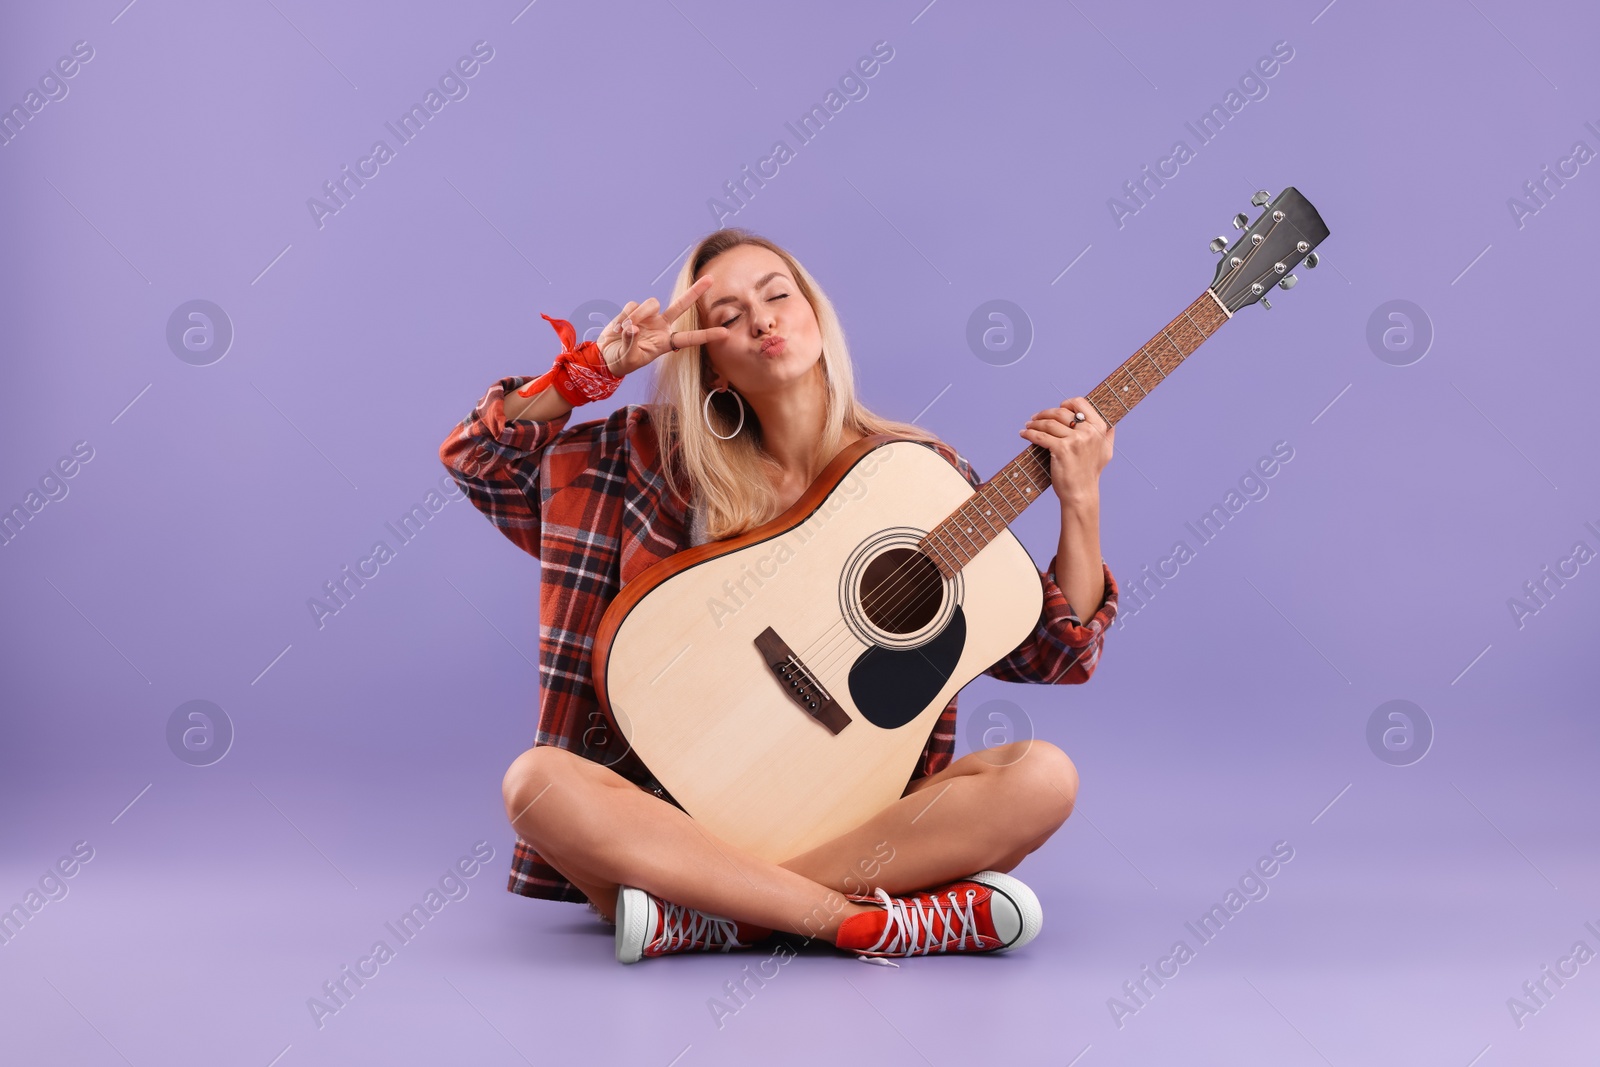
point(1078, 453)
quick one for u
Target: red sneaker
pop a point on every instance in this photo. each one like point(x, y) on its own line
point(988, 912)
point(649, 926)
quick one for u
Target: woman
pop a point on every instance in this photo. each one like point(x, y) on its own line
point(754, 396)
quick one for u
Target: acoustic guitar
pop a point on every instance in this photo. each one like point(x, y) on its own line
point(782, 684)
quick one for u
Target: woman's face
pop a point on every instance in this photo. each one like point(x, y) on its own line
point(773, 337)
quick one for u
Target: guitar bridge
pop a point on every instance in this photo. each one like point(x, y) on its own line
point(799, 683)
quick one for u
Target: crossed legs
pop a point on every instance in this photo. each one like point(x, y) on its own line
point(985, 811)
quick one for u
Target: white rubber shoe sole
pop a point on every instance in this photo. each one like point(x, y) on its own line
point(636, 917)
point(1016, 911)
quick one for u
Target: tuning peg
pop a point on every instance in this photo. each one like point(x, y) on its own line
point(1261, 197)
point(1289, 282)
point(1219, 244)
point(1312, 261)
point(1266, 303)
point(1240, 221)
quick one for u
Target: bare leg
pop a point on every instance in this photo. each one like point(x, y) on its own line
point(601, 894)
point(985, 811)
point(601, 831)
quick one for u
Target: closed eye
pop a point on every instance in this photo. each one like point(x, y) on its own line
point(735, 318)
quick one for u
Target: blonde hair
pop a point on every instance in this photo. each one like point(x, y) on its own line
point(734, 478)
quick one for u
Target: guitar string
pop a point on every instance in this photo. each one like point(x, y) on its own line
point(835, 639)
point(904, 576)
point(832, 661)
point(828, 665)
point(832, 652)
point(828, 660)
point(840, 632)
point(1245, 262)
point(836, 636)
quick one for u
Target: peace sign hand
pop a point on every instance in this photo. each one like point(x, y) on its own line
point(642, 332)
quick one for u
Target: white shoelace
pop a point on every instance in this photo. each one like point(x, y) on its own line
point(905, 920)
point(685, 927)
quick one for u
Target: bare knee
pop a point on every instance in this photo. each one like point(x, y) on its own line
point(530, 776)
point(1045, 781)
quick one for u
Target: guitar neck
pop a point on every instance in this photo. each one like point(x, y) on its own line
point(961, 536)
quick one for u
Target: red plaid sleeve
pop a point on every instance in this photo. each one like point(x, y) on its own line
point(496, 463)
point(1062, 650)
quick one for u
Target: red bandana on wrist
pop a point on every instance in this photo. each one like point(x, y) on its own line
point(580, 374)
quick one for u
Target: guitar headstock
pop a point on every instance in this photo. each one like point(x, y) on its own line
point(1286, 232)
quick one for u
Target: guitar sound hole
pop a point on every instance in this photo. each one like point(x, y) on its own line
point(901, 591)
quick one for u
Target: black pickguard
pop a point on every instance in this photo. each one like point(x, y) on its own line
point(892, 686)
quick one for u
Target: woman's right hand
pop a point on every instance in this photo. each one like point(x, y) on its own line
point(642, 332)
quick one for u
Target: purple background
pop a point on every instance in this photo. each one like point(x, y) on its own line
point(1224, 717)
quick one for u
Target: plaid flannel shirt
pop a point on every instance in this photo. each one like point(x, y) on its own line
point(592, 504)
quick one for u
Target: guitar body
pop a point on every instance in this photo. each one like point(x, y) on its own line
point(699, 659)
point(781, 684)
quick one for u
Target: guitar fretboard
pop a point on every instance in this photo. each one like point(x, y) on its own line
point(955, 541)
